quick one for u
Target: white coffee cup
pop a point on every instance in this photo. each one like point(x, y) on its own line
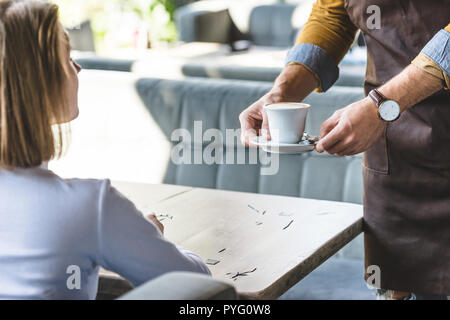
point(287, 121)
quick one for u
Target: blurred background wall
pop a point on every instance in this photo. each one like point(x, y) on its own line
point(141, 24)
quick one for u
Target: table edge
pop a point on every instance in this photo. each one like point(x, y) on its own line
point(298, 272)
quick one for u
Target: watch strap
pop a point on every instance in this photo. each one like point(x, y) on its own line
point(377, 97)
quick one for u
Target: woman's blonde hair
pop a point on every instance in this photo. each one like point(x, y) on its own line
point(33, 70)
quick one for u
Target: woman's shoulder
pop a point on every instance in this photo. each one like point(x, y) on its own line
point(90, 188)
point(81, 189)
point(82, 193)
point(86, 184)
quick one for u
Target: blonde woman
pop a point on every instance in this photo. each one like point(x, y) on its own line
point(48, 224)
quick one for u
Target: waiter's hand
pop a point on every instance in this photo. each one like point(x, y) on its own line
point(293, 85)
point(351, 130)
point(254, 118)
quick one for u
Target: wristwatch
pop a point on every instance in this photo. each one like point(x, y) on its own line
point(388, 110)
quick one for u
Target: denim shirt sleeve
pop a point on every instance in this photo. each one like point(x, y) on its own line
point(317, 60)
point(438, 50)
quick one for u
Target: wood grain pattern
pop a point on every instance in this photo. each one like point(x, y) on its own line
point(271, 242)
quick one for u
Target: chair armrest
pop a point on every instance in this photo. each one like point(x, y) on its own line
point(182, 286)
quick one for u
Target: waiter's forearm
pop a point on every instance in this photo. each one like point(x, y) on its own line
point(427, 74)
point(411, 86)
point(294, 84)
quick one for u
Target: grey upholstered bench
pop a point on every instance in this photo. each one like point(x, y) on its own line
point(350, 76)
point(102, 63)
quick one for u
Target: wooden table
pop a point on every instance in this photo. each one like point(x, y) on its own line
point(270, 242)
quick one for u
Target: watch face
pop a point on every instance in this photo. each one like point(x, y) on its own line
point(389, 110)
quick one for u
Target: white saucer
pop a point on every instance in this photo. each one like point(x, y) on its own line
point(308, 144)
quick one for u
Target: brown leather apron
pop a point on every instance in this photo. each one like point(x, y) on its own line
point(407, 172)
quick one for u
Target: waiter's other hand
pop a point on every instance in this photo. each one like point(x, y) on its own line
point(254, 118)
point(351, 130)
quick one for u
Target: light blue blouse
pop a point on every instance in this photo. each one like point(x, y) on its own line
point(50, 227)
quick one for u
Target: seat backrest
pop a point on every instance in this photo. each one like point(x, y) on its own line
point(350, 76)
point(101, 63)
point(204, 21)
point(217, 104)
point(271, 25)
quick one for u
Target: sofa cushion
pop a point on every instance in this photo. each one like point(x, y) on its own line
point(211, 21)
point(350, 76)
point(102, 63)
point(205, 21)
point(271, 25)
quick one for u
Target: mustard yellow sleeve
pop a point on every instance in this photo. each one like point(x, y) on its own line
point(429, 66)
point(434, 59)
point(330, 28)
point(324, 41)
